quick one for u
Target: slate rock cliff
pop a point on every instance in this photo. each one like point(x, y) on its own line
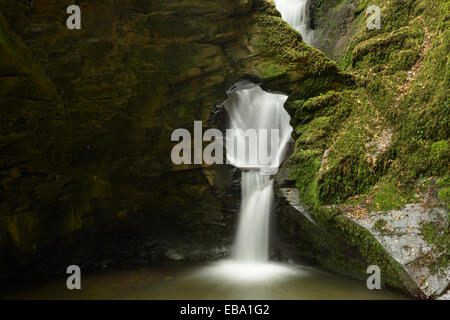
point(87, 115)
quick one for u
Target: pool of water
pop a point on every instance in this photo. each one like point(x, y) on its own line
point(218, 280)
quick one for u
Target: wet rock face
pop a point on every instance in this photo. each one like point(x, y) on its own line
point(408, 244)
point(87, 117)
point(332, 19)
point(88, 150)
point(354, 156)
point(401, 234)
point(339, 244)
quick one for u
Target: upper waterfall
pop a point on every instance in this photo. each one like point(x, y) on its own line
point(259, 128)
point(295, 12)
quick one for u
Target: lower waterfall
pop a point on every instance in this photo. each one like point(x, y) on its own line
point(254, 115)
point(253, 110)
point(252, 241)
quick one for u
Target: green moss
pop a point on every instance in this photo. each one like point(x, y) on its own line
point(272, 70)
point(280, 41)
point(383, 58)
point(320, 7)
point(401, 88)
point(442, 263)
point(361, 240)
point(314, 133)
point(440, 155)
point(285, 44)
point(383, 49)
point(380, 224)
point(428, 232)
point(443, 182)
point(307, 166)
point(439, 236)
point(350, 177)
point(361, 7)
point(305, 111)
point(389, 196)
point(444, 192)
point(444, 196)
point(402, 60)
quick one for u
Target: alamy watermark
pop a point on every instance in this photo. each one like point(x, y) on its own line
point(247, 148)
point(74, 20)
point(374, 281)
point(374, 20)
point(74, 280)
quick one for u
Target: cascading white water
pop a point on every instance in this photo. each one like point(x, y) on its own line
point(294, 12)
point(250, 107)
point(252, 241)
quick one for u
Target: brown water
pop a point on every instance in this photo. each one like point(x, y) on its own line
point(220, 280)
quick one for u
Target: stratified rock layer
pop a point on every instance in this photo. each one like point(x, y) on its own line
point(87, 117)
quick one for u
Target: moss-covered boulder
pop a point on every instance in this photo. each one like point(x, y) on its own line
point(366, 150)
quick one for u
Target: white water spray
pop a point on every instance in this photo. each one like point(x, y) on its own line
point(252, 241)
point(294, 12)
point(250, 107)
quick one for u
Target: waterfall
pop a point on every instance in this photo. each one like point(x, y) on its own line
point(294, 12)
point(251, 108)
point(252, 241)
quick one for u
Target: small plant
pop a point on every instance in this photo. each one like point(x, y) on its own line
point(428, 232)
point(379, 225)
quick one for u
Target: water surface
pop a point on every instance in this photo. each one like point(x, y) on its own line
point(219, 280)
